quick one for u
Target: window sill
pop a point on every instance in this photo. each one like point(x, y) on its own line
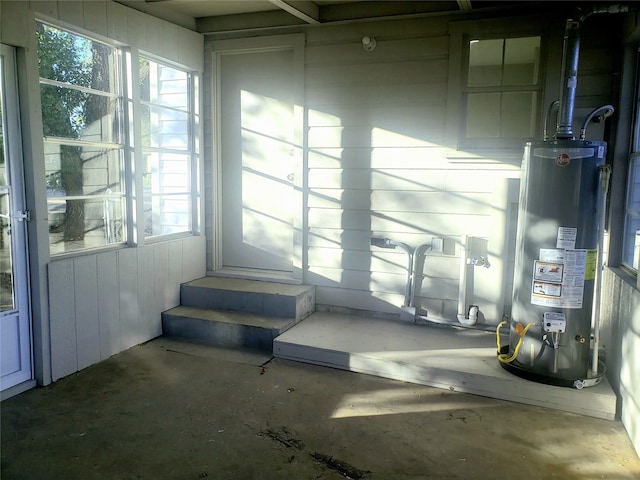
point(628, 277)
point(88, 251)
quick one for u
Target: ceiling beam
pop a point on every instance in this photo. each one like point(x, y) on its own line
point(246, 22)
point(302, 9)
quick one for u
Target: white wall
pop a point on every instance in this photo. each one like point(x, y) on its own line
point(382, 160)
point(377, 164)
point(90, 306)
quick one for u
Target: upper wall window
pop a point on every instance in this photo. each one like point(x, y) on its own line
point(169, 146)
point(82, 115)
point(502, 90)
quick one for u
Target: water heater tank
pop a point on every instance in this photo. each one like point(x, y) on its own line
point(555, 264)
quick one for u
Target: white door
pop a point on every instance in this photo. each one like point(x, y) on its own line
point(257, 153)
point(15, 320)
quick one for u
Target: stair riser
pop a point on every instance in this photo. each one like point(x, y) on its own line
point(297, 307)
point(219, 333)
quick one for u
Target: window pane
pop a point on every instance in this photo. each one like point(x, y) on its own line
point(69, 58)
point(73, 170)
point(517, 119)
point(167, 173)
point(167, 184)
point(521, 61)
point(633, 195)
point(96, 222)
point(74, 175)
point(166, 214)
point(163, 85)
point(165, 128)
point(631, 239)
point(631, 245)
point(483, 115)
point(485, 62)
point(79, 115)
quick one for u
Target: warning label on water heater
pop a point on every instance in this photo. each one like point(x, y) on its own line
point(566, 237)
point(558, 278)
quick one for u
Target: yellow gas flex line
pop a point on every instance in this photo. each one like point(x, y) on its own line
point(502, 357)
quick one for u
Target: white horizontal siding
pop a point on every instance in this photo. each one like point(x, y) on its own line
point(378, 165)
point(402, 200)
point(369, 301)
point(437, 224)
point(424, 71)
point(389, 50)
point(423, 116)
point(324, 96)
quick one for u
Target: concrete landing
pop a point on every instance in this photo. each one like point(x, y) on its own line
point(462, 360)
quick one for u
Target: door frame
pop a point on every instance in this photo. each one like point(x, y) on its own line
point(16, 179)
point(294, 43)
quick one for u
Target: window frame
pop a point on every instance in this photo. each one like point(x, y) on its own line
point(633, 170)
point(465, 90)
point(119, 144)
point(460, 33)
point(192, 150)
point(130, 144)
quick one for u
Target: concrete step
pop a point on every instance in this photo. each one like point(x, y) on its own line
point(463, 360)
point(224, 328)
point(250, 296)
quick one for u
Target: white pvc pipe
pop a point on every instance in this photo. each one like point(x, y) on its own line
point(462, 284)
point(472, 318)
point(416, 253)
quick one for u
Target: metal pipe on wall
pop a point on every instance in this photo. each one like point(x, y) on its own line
point(569, 76)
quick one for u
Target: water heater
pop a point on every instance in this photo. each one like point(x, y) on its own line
point(556, 261)
point(554, 326)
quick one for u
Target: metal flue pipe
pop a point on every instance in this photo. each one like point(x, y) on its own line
point(570, 54)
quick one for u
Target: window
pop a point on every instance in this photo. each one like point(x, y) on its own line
point(631, 241)
point(502, 89)
point(82, 115)
point(89, 145)
point(168, 146)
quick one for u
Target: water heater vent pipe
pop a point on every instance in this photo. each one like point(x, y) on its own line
point(570, 54)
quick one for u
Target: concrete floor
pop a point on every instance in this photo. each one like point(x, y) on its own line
point(175, 410)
